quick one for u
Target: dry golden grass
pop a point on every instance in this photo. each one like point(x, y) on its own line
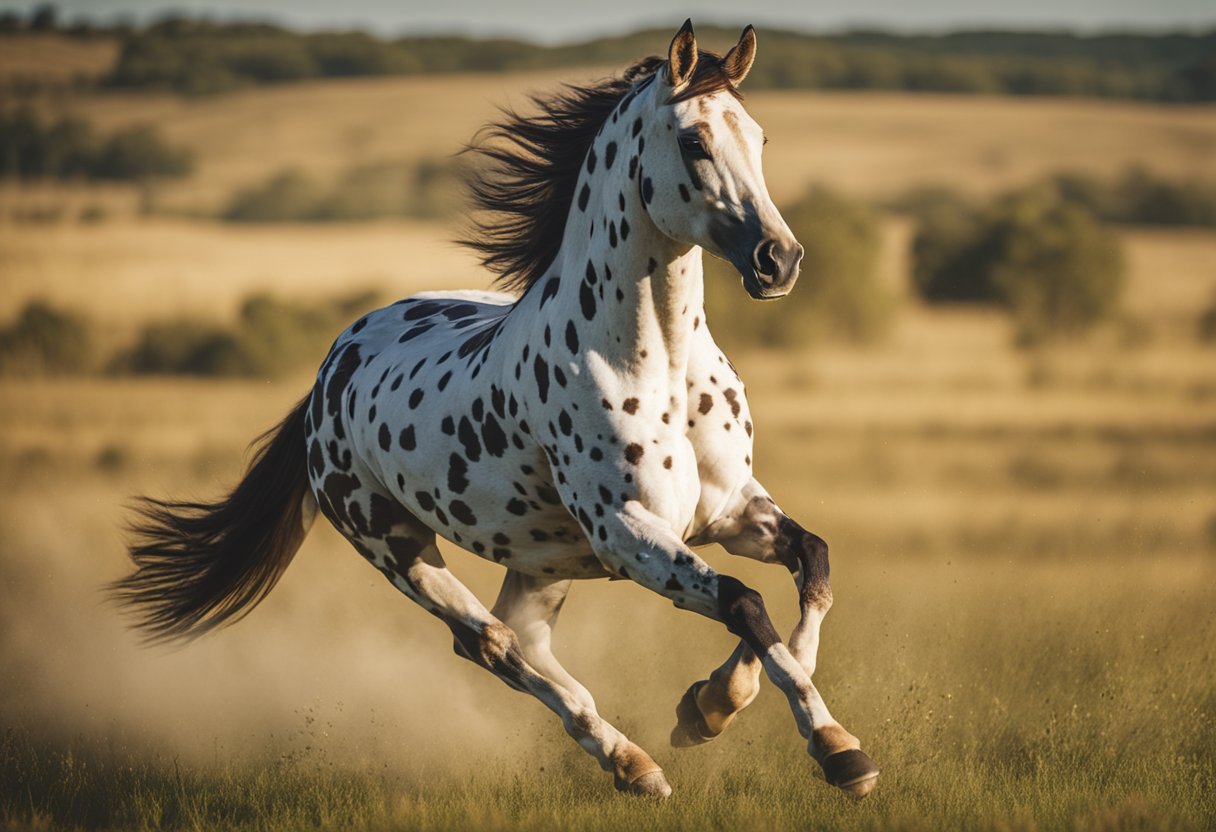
point(872, 144)
point(1024, 544)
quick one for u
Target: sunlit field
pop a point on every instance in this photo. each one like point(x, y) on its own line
point(1023, 541)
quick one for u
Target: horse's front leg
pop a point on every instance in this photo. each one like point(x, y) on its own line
point(753, 526)
point(640, 546)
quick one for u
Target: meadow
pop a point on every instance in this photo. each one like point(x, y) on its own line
point(1023, 541)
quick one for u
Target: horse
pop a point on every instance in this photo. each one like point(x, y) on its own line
point(580, 423)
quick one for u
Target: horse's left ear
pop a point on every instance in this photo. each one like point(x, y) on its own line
point(738, 60)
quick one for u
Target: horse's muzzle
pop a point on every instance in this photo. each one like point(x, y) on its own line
point(775, 266)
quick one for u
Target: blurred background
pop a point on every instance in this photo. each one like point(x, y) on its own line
point(993, 392)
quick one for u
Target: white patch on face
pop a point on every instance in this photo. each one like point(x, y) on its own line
point(731, 181)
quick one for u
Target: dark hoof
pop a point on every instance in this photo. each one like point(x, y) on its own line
point(690, 727)
point(851, 771)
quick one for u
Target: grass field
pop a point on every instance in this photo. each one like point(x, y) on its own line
point(1024, 543)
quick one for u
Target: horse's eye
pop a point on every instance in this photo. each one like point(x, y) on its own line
point(690, 146)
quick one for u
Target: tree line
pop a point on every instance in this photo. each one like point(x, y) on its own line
point(193, 56)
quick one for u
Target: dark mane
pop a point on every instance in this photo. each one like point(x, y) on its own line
point(523, 195)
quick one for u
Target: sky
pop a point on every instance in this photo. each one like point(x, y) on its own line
point(562, 20)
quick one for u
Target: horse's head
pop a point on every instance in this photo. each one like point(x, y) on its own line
point(702, 181)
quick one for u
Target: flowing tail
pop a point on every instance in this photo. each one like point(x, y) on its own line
point(202, 565)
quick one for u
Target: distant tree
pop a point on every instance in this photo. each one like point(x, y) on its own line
point(1045, 259)
point(1207, 323)
point(140, 154)
point(270, 337)
point(46, 340)
point(44, 18)
point(838, 296)
point(288, 196)
point(68, 148)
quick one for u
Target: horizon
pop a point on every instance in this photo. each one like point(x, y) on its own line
point(551, 23)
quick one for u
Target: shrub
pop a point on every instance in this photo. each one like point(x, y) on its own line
point(138, 154)
point(1207, 323)
point(1140, 196)
point(838, 296)
point(270, 337)
point(286, 197)
point(426, 190)
point(69, 148)
point(1044, 258)
point(46, 340)
point(183, 347)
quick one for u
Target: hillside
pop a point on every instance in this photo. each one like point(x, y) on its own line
point(202, 57)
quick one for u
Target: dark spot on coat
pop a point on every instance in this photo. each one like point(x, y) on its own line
point(386, 515)
point(468, 437)
point(458, 471)
point(493, 436)
point(541, 370)
point(633, 453)
point(404, 551)
point(406, 439)
point(461, 511)
point(586, 299)
point(550, 290)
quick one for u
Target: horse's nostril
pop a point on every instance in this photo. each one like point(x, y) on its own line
point(764, 261)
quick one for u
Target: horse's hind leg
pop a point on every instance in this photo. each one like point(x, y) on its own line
point(530, 606)
point(405, 552)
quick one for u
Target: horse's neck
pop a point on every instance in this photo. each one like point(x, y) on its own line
point(634, 303)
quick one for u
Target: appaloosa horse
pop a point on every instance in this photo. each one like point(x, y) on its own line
point(585, 426)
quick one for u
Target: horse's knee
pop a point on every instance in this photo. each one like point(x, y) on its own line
point(742, 610)
point(816, 587)
point(809, 552)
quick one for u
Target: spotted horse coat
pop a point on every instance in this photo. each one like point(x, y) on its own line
point(588, 427)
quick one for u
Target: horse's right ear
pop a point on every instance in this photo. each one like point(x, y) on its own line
point(682, 56)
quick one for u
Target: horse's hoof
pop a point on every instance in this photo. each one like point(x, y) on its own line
point(652, 784)
point(851, 771)
point(691, 728)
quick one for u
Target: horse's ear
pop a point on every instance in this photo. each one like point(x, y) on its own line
point(738, 60)
point(682, 56)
